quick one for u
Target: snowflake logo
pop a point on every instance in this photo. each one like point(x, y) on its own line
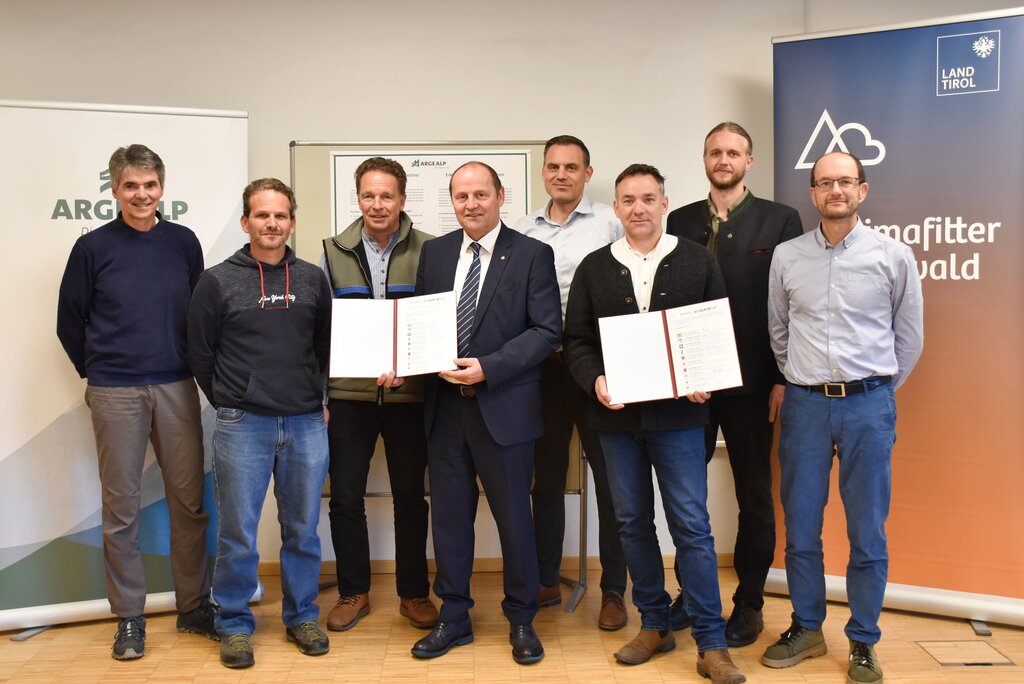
point(984, 46)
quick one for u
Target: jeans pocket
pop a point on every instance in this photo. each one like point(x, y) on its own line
point(230, 415)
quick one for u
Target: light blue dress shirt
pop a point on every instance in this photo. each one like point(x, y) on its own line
point(590, 226)
point(845, 312)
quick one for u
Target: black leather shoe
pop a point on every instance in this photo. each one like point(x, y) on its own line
point(526, 646)
point(678, 617)
point(743, 626)
point(442, 638)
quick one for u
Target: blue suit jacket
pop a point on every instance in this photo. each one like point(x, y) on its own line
point(518, 323)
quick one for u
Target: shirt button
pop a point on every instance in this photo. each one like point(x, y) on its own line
point(833, 286)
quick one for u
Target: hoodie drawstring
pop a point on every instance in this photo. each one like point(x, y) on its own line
point(263, 291)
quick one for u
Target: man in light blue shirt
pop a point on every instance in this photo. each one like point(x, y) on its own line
point(574, 226)
point(846, 318)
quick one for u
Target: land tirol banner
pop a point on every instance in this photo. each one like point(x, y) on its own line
point(55, 187)
point(936, 113)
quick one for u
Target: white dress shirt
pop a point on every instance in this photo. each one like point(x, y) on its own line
point(466, 258)
point(642, 267)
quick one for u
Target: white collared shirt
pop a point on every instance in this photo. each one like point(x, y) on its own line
point(466, 258)
point(642, 267)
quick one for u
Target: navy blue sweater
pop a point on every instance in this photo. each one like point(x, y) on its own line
point(123, 302)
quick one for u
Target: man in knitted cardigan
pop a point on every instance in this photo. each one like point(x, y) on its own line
point(649, 270)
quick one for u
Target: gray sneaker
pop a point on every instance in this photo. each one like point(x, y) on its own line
point(795, 644)
point(199, 620)
point(236, 651)
point(310, 639)
point(864, 665)
point(130, 640)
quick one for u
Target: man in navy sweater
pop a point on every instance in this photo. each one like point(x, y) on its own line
point(121, 318)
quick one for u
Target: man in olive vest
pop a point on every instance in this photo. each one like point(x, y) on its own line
point(376, 257)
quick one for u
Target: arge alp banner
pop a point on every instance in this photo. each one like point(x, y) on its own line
point(936, 113)
point(55, 187)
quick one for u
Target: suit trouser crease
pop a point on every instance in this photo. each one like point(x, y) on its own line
point(459, 449)
point(124, 420)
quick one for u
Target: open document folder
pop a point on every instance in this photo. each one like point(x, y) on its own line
point(669, 354)
point(411, 336)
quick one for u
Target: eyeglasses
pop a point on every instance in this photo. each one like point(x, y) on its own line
point(845, 183)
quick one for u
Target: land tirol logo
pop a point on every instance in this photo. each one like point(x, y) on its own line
point(967, 63)
point(863, 142)
point(82, 209)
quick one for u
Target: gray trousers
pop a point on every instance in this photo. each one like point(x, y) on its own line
point(125, 419)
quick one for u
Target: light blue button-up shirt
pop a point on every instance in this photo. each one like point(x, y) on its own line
point(590, 226)
point(845, 312)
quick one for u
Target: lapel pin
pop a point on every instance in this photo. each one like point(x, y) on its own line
point(502, 257)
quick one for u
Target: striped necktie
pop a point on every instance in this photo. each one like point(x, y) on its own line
point(467, 300)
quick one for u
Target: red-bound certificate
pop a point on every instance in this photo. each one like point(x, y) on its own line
point(669, 354)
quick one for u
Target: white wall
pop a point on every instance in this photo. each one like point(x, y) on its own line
point(828, 15)
point(639, 81)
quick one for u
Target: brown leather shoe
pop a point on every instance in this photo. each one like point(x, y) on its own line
point(347, 611)
point(420, 611)
point(613, 612)
point(549, 596)
point(717, 666)
point(644, 645)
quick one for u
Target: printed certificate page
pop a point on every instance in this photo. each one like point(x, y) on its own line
point(704, 347)
point(636, 365)
point(427, 334)
point(362, 337)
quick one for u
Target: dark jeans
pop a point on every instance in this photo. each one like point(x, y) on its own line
point(677, 459)
point(352, 431)
point(566, 404)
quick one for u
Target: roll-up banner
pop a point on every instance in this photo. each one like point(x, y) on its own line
point(54, 186)
point(936, 114)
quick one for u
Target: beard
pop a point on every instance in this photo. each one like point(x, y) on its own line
point(727, 184)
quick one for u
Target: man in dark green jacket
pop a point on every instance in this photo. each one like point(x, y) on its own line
point(376, 257)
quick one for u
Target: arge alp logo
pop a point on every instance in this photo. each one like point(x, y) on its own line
point(80, 209)
point(967, 63)
point(863, 141)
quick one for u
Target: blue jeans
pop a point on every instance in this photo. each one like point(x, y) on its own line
point(247, 449)
point(861, 429)
point(677, 457)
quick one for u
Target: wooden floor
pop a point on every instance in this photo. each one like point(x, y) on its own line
point(377, 650)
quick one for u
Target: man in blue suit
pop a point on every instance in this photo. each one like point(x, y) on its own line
point(482, 419)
